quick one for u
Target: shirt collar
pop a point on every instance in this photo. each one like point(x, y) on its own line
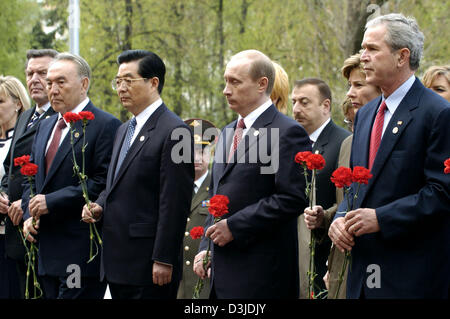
point(315, 135)
point(80, 107)
point(44, 108)
point(200, 181)
point(251, 117)
point(394, 100)
point(142, 117)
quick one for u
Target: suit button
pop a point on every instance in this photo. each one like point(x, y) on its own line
point(186, 234)
point(188, 219)
point(186, 248)
point(188, 262)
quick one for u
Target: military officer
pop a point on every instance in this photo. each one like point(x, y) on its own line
point(205, 135)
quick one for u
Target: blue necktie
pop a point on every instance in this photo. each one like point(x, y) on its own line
point(126, 144)
point(33, 119)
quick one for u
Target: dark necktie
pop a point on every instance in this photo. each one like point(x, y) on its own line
point(54, 144)
point(237, 137)
point(33, 119)
point(126, 144)
point(375, 136)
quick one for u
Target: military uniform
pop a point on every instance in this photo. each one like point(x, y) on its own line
point(199, 212)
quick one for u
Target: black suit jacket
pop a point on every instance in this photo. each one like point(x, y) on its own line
point(411, 196)
point(12, 180)
point(63, 238)
point(146, 206)
point(265, 188)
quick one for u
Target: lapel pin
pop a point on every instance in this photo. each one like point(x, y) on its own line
point(47, 116)
point(316, 152)
point(142, 138)
point(77, 135)
point(255, 133)
point(207, 188)
point(395, 130)
point(399, 122)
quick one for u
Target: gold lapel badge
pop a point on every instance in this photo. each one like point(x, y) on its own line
point(142, 138)
point(77, 135)
point(395, 130)
point(399, 122)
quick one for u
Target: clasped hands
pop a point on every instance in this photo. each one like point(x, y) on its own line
point(343, 229)
point(14, 211)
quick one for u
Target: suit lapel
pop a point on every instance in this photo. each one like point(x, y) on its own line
point(394, 130)
point(253, 135)
point(39, 156)
point(142, 138)
point(323, 139)
point(65, 148)
point(24, 132)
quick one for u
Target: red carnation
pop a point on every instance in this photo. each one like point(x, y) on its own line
point(447, 166)
point(29, 169)
point(71, 118)
point(342, 176)
point(302, 157)
point(315, 161)
point(86, 115)
point(197, 232)
point(218, 205)
point(22, 160)
point(361, 175)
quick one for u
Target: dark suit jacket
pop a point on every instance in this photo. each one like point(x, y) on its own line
point(12, 180)
point(199, 212)
point(328, 145)
point(146, 205)
point(63, 238)
point(411, 195)
point(262, 260)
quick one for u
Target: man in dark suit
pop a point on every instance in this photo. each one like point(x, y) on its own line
point(63, 239)
point(149, 187)
point(205, 135)
point(312, 101)
point(255, 245)
point(399, 230)
point(24, 131)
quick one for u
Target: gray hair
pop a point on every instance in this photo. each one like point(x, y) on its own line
point(84, 70)
point(39, 53)
point(402, 32)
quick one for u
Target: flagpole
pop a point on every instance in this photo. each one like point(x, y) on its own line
point(74, 26)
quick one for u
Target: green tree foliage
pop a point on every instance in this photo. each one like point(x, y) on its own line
point(17, 18)
point(196, 38)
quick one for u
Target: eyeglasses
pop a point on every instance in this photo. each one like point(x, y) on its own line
point(117, 82)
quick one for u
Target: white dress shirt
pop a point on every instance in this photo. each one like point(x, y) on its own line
point(80, 107)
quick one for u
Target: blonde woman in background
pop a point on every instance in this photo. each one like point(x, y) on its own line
point(437, 78)
point(13, 101)
point(359, 94)
point(280, 91)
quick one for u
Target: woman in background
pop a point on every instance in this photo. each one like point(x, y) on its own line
point(437, 78)
point(13, 101)
point(280, 91)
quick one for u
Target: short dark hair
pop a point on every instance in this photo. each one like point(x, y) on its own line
point(150, 64)
point(321, 85)
point(39, 53)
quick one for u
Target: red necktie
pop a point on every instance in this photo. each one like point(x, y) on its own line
point(237, 137)
point(375, 136)
point(54, 144)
